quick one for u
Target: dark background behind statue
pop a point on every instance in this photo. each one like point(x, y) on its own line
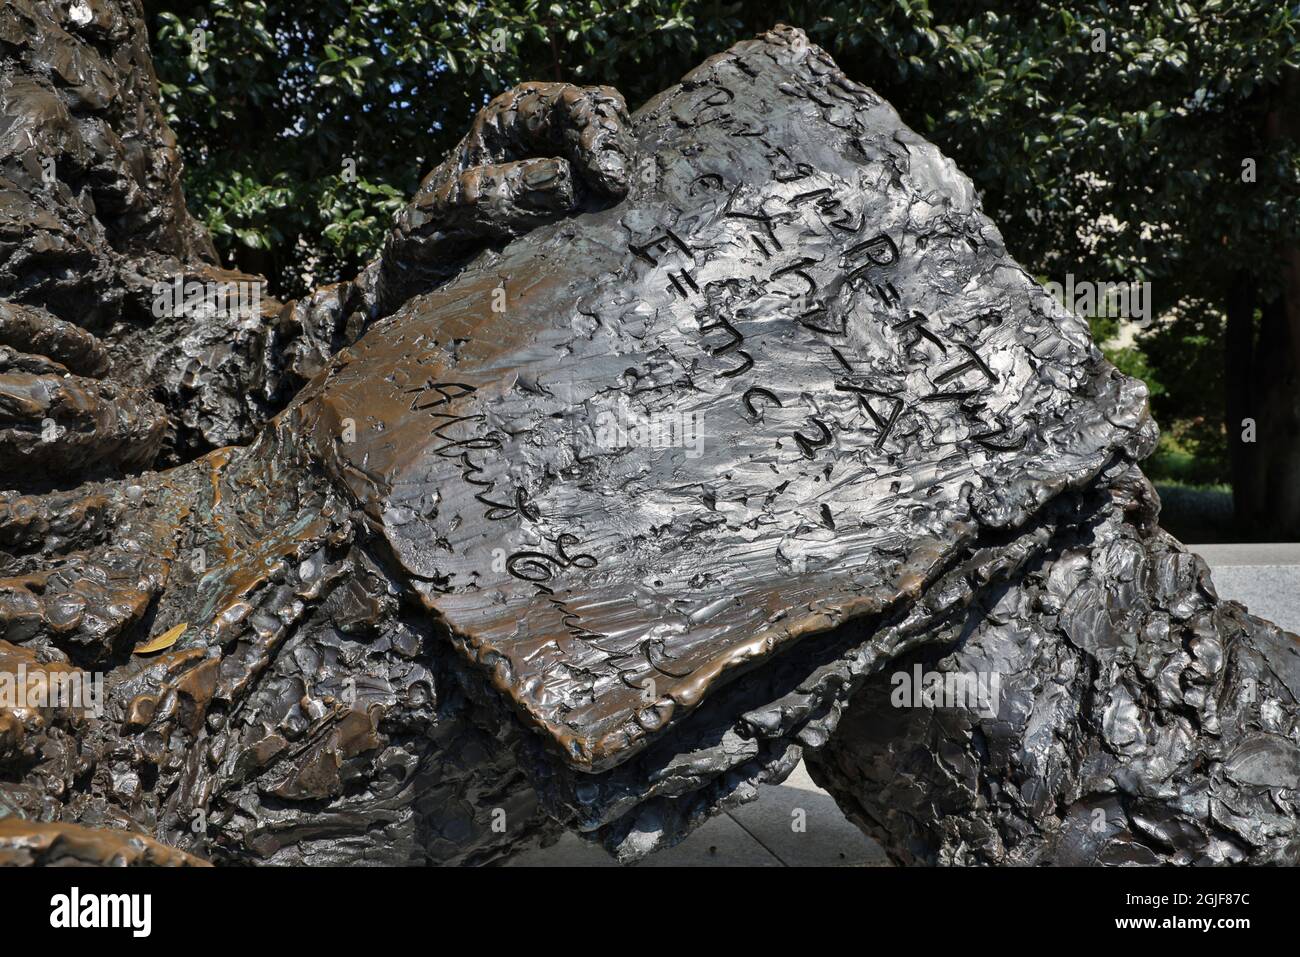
point(1112, 145)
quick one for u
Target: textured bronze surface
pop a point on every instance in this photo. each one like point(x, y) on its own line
point(92, 221)
point(594, 522)
point(1140, 720)
point(28, 843)
point(809, 296)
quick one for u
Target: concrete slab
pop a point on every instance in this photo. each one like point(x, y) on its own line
point(826, 838)
point(1261, 553)
point(1269, 591)
point(720, 842)
point(1265, 578)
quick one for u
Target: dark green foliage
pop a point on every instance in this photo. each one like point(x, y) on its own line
point(1107, 140)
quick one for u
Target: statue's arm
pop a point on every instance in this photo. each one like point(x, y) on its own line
point(536, 153)
point(1123, 715)
point(93, 223)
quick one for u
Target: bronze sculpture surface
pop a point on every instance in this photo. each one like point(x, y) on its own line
point(601, 526)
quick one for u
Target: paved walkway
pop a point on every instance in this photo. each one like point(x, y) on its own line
point(759, 834)
point(1265, 578)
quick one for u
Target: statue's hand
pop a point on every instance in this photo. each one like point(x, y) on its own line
point(534, 154)
point(532, 137)
point(60, 421)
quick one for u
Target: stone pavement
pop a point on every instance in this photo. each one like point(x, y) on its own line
point(760, 834)
point(1265, 578)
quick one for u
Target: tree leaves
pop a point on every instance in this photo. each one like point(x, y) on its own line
point(1066, 115)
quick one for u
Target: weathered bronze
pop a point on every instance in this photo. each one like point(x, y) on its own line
point(1140, 719)
point(601, 527)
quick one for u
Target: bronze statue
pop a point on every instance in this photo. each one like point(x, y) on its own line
point(601, 526)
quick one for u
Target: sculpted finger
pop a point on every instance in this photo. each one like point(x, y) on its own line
point(528, 158)
point(83, 604)
point(452, 220)
point(495, 201)
point(55, 430)
point(597, 137)
point(588, 126)
point(37, 365)
point(54, 523)
point(35, 331)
